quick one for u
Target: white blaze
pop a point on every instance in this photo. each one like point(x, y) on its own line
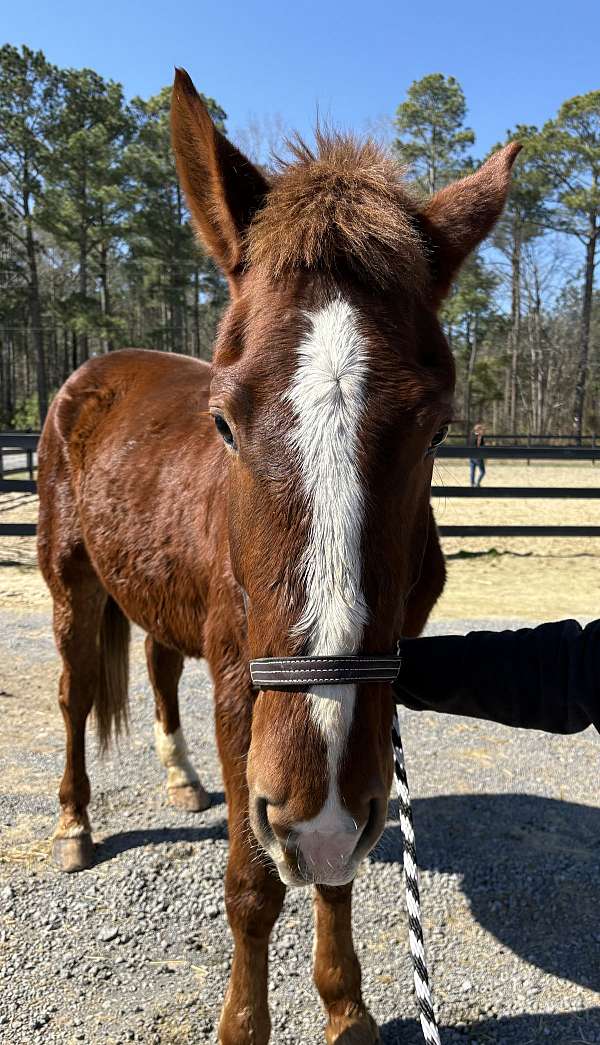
point(328, 395)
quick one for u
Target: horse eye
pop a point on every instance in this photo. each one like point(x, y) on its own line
point(438, 438)
point(224, 430)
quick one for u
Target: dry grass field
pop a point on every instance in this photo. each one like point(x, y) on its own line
point(527, 578)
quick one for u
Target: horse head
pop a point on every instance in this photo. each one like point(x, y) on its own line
point(332, 383)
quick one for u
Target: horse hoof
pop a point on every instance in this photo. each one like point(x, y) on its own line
point(191, 797)
point(353, 1030)
point(73, 854)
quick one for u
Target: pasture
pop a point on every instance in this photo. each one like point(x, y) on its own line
point(137, 949)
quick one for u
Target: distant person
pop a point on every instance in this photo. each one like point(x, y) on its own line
point(477, 441)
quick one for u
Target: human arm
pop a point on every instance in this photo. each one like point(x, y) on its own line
point(544, 678)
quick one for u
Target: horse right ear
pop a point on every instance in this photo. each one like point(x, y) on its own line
point(223, 189)
point(456, 219)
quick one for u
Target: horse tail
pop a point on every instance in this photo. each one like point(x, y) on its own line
point(111, 706)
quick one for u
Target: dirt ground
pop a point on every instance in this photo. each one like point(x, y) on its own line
point(528, 578)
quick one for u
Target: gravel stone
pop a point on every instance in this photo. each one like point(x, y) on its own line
point(107, 934)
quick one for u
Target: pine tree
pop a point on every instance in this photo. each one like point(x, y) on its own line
point(83, 207)
point(164, 261)
point(523, 220)
point(432, 138)
point(28, 85)
point(568, 152)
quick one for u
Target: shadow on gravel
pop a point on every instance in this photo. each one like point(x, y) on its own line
point(123, 841)
point(529, 868)
point(568, 1029)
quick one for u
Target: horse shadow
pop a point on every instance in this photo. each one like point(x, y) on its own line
point(122, 841)
point(523, 1029)
point(529, 867)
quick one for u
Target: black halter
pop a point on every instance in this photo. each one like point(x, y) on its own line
point(298, 672)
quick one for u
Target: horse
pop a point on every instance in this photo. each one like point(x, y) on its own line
point(275, 502)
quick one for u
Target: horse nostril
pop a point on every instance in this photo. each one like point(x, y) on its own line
point(374, 825)
point(269, 826)
point(261, 825)
point(261, 817)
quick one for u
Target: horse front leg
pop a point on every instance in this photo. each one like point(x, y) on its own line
point(337, 970)
point(253, 890)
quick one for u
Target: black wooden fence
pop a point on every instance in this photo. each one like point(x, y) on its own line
point(18, 456)
point(24, 445)
point(531, 452)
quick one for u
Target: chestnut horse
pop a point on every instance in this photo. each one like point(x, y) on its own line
point(273, 503)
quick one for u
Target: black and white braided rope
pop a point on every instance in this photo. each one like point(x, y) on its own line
point(411, 880)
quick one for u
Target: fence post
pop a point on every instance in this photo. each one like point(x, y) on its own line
point(30, 462)
point(1, 462)
point(594, 448)
point(528, 446)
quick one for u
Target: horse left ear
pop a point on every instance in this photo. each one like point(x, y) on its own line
point(456, 219)
point(223, 189)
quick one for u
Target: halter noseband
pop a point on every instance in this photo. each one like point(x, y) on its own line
point(297, 672)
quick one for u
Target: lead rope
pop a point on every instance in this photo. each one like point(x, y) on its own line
point(413, 903)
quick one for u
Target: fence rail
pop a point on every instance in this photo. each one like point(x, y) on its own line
point(529, 439)
point(519, 531)
point(17, 444)
point(584, 493)
point(22, 440)
point(522, 453)
point(27, 443)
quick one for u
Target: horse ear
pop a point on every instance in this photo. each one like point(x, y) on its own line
point(223, 189)
point(456, 219)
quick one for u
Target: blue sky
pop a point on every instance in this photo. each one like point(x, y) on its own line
point(351, 61)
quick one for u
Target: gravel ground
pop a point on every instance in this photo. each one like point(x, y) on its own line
point(138, 949)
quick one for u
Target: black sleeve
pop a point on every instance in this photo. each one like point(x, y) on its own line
point(537, 678)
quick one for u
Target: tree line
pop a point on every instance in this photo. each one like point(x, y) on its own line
point(96, 246)
point(97, 250)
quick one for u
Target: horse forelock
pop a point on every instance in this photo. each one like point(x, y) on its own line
point(342, 207)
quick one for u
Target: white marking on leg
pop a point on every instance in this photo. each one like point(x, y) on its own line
point(328, 397)
point(171, 749)
point(74, 831)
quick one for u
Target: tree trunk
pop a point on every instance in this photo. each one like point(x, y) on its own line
point(515, 333)
point(506, 400)
point(196, 313)
point(6, 362)
point(35, 310)
point(108, 342)
point(541, 375)
point(66, 364)
point(84, 341)
point(472, 343)
point(584, 334)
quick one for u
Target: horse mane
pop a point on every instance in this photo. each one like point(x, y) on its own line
point(340, 208)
